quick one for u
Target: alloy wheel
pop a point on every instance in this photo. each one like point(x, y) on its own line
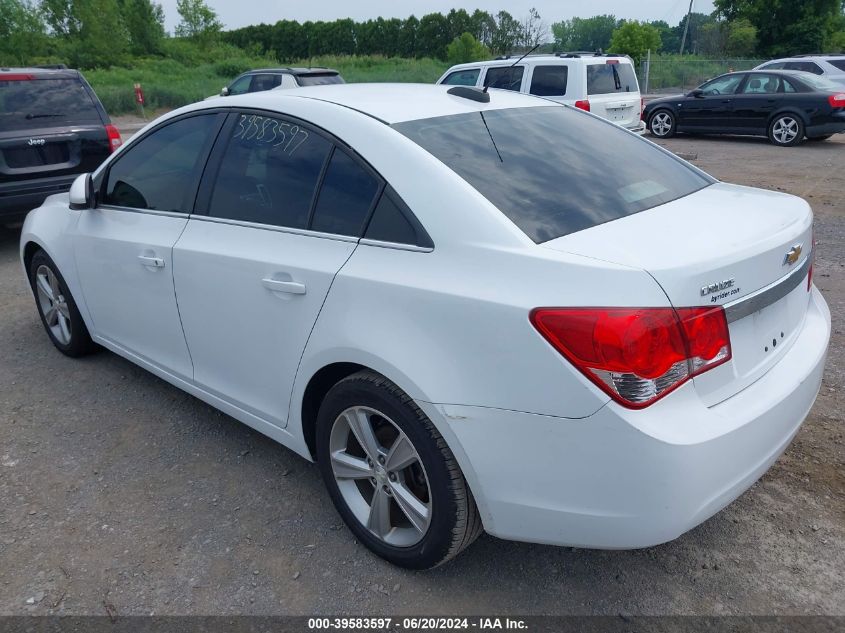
point(785, 130)
point(53, 304)
point(380, 476)
point(661, 124)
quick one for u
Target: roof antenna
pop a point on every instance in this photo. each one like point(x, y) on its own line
point(536, 46)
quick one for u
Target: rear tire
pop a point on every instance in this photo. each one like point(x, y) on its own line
point(786, 130)
point(662, 124)
point(57, 309)
point(399, 489)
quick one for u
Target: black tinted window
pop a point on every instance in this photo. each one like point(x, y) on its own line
point(549, 81)
point(319, 79)
point(36, 103)
point(265, 81)
point(506, 78)
point(611, 77)
point(807, 67)
point(462, 78)
point(389, 224)
point(346, 196)
point(160, 171)
point(269, 172)
point(838, 63)
point(553, 170)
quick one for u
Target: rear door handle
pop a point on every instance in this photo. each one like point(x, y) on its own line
point(155, 262)
point(290, 287)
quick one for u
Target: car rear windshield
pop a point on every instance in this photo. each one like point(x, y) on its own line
point(611, 77)
point(554, 170)
point(37, 103)
point(319, 79)
point(819, 83)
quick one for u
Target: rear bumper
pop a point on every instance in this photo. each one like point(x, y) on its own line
point(19, 197)
point(629, 479)
point(637, 128)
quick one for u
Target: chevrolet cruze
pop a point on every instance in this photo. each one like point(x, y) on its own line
point(477, 311)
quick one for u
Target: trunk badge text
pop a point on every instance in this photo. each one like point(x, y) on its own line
point(36, 141)
point(719, 285)
point(793, 254)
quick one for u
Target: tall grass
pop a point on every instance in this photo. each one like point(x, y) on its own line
point(186, 75)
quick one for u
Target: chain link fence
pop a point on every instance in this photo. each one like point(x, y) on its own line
point(669, 76)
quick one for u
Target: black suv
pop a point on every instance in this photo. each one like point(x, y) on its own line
point(269, 78)
point(52, 128)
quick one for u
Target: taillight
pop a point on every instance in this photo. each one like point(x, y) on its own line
point(642, 108)
point(114, 137)
point(837, 100)
point(637, 355)
point(15, 77)
point(583, 104)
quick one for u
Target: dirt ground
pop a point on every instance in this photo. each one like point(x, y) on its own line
point(120, 494)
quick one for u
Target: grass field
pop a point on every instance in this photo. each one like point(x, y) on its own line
point(169, 83)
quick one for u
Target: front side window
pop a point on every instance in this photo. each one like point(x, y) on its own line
point(554, 170)
point(346, 196)
point(462, 77)
point(269, 172)
point(160, 171)
point(240, 86)
point(611, 77)
point(549, 81)
point(773, 66)
point(505, 78)
point(725, 85)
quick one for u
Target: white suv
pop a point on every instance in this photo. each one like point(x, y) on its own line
point(605, 85)
point(830, 66)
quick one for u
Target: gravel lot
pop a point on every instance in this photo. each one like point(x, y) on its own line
point(120, 494)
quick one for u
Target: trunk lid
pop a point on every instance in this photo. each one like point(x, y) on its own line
point(613, 91)
point(723, 245)
point(42, 152)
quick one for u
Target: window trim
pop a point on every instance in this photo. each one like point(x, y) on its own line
point(198, 171)
point(476, 69)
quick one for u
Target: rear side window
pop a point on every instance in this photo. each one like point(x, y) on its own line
point(608, 78)
point(265, 81)
point(392, 221)
point(462, 77)
point(549, 81)
point(269, 172)
point(505, 78)
point(346, 197)
point(161, 170)
point(319, 79)
point(27, 103)
point(807, 67)
point(553, 170)
point(837, 63)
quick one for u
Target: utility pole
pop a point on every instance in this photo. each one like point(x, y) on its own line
point(686, 27)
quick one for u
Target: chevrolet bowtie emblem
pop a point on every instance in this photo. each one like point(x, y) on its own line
point(793, 254)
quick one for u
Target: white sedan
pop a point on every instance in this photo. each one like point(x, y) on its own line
point(476, 312)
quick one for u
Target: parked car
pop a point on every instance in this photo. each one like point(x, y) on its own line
point(475, 311)
point(270, 78)
point(52, 128)
point(786, 106)
point(830, 66)
point(605, 85)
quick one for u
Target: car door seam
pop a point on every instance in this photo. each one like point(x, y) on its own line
point(176, 297)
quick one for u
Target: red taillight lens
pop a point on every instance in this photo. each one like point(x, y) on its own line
point(642, 109)
point(637, 355)
point(114, 137)
point(15, 77)
point(837, 100)
point(583, 104)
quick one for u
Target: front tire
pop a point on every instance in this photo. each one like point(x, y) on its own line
point(662, 124)
point(786, 130)
point(391, 475)
point(57, 309)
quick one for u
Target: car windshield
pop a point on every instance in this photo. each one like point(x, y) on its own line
point(819, 83)
point(554, 170)
point(38, 103)
point(319, 79)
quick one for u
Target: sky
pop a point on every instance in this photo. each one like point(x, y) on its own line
point(237, 13)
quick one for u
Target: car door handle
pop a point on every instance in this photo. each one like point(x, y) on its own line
point(278, 285)
point(154, 262)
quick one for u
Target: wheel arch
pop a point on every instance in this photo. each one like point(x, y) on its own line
point(805, 119)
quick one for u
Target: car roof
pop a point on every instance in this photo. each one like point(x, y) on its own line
point(52, 73)
point(392, 103)
point(559, 58)
point(314, 70)
point(810, 57)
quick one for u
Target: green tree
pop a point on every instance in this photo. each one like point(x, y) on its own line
point(465, 49)
point(635, 39)
point(433, 36)
point(22, 32)
point(786, 27)
point(408, 37)
point(60, 16)
point(507, 33)
point(100, 39)
point(144, 21)
point(198, 20)
point(585, 34)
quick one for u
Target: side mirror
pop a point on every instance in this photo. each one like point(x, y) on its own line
point(697, 93)
point(225, 91)
point(82, 193)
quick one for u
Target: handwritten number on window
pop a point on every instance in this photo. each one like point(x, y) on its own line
point(280, 135)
